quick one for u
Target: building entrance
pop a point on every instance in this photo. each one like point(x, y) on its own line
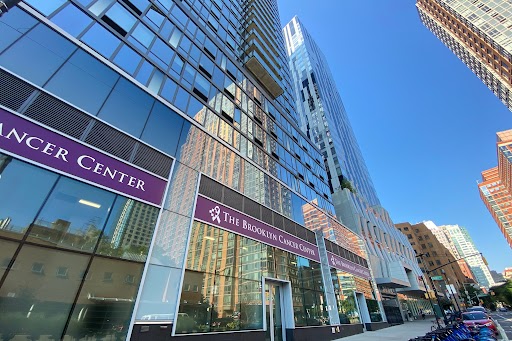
point(275, 311)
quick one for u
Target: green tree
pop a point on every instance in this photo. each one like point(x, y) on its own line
point(503, 293)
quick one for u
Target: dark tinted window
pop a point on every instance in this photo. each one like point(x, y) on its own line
point(37, 55)
point(163, 129)
point(83, 81)
point(127, 107)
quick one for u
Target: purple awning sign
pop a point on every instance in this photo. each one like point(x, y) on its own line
point(33, 142)
point(228, 219)
point(343, 264)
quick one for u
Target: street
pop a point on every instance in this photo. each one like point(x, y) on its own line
point(505, 321)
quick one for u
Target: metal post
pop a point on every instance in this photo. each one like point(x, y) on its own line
point(434, 288)
point(431, 304)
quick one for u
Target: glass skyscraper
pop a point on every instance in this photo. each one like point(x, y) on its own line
point(324, 119)
point(479, 34)
point(155, 181)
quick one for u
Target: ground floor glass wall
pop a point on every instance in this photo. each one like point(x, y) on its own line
point(71, 255)
point(222, 285)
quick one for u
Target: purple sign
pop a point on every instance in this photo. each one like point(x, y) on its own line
point(343, 264)
point(36, 143)
point(228, 219)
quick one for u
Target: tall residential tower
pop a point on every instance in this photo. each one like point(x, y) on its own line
point(324, 119)
point(479, 33)
point(496, 186)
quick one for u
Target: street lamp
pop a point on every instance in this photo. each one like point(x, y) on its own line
point(435, 292)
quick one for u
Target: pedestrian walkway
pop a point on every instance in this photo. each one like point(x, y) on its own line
point(401, 332)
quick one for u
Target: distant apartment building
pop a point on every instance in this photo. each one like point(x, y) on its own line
point(435, 256)
point(457, 239)
point(324, 119)
point(478, 33)
point(507, 273)
point(496, 186)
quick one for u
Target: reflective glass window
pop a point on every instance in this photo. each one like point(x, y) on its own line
point(169, 90)
point(105, 303)
point(82, 78)
point(46, 7)
point(7, 250)
point(73, 216)
point(34, 300)
point(12, 26)
point(72, 20)
point(101, 40)
point(100, 6)
point(127, 107)
point(127, 59)
point(122, 18)
point(129, 230)
point(158, 297)
point(143, 35)
point(163, 129)
point(27, 187)
point(38, 54)
point(196, 303)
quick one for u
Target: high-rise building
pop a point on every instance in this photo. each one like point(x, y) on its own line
point(157, 179)
point(435, 258)
point(507, 273)
point(496, 186)
point(462, 246)
point(324, 119)
point(478, 33)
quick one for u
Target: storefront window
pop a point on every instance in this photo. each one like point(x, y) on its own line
point(129, 230)
point(344, 288)
point(104, 306)
point(26, 188)
point(222, 286)
point(373, 309)
point(39, 291)
point(73, 217)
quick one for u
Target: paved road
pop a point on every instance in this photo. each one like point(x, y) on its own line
point(505, 321)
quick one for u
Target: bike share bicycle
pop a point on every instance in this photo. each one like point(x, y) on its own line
point(458, 332)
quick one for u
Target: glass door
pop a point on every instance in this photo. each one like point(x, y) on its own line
point(274, 312)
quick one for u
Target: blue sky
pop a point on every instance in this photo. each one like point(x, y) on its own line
point(425, 123)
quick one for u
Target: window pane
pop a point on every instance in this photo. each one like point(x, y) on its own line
point(127, 107)
point(73, 216)
point(7, 250)
point(226, 311)
point(82, 78)
point(26, 187)
point(158, 297)
point(37, 55)
point(127, 59)
point(129, 230)
point(250, 305)
point(104, 306)
point(119, 15)
point(12, 26)
point(45, 6)
point(163, 129)
point(101, 40)
point(72, 20)
point(195, 304)
point(34, 300)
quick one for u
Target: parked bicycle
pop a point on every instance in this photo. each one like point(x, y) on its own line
point(458, 332)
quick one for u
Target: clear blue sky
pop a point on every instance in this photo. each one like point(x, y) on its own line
point(425, 123)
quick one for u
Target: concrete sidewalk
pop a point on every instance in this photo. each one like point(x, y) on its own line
point(402, 332)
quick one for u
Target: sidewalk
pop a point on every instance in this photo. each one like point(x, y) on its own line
point(402, 332)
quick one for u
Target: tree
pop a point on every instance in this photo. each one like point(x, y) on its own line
point(345, 183)
point(503, 293)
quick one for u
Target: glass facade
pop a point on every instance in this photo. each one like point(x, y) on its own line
point(135, 79)
point(72, 255)
point(222, 287)
point(357, 206)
